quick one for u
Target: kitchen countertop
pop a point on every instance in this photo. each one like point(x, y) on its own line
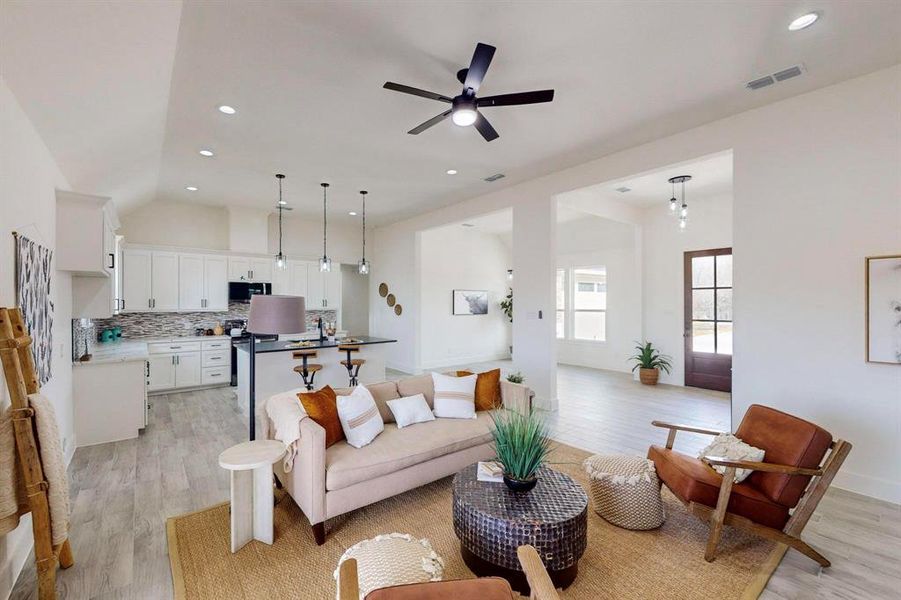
point(129, 349)
point(287, 345)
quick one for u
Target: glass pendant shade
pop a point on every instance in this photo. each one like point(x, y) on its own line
point(325, 264)
point(363, 267)
point(672, 204)
point(281, 263)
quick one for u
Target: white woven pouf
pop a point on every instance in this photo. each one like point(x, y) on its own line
point(625, 490)
point(393, 559)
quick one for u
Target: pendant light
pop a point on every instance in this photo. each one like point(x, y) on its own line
point(363, 265)
point(675, 204)
point(281, 263)
point(325, 263)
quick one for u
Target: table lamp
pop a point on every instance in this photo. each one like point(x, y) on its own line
point(271, 315)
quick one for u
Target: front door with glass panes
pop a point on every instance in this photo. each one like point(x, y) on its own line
point(708, 319)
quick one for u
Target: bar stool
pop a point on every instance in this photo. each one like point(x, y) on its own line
point(351, 364)
point(307, 370)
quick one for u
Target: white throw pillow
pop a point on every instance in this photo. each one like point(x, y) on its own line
point(410, 409)
point(726, 445)
point(360, 418)
point(455, 397)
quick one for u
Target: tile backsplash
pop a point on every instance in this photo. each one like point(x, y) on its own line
point(138, 325)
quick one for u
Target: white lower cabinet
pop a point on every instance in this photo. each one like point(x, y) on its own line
point(175, 364)
point(110, 401)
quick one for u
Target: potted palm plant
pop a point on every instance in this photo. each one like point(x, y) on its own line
point(521, 444)
point(649, 363)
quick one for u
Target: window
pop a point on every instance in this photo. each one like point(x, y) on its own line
point(561, 304)
point(582, 303)
point(711, 304)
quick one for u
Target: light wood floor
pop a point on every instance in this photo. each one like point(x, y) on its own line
point(123, 492)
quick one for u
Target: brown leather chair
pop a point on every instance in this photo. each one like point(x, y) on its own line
point(795, 450)
point(486, 588)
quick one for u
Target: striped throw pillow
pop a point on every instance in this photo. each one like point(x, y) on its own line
point(455, 397)
point(360, 418)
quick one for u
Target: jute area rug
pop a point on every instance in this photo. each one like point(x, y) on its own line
point(623, 565)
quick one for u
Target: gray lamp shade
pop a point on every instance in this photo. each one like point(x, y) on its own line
point(276, 314)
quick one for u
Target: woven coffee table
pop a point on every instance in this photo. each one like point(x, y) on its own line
point(492, 522)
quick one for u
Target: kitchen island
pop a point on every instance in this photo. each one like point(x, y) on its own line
point(275, 367)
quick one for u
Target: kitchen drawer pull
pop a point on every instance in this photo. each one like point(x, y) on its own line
point(174, 347)
point(215, 374)
point(215, 358)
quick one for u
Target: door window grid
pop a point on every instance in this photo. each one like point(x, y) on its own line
point(712, 315)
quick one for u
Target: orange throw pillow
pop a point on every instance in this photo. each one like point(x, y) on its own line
point(488, 389)
point(322, 407)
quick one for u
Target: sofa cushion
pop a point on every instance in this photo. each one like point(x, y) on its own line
point(397, 449)
point(381, 393)
point(488, 389)
point(485, 588)
point(693, 481)
point(421, 384)
point(322, 407)
point(787, 440)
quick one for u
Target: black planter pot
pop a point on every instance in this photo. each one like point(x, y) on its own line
point(521, 485)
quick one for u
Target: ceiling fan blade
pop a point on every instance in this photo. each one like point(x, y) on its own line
point(486, 129)
point(433, 121)
point(397, 87)
point(517, 98)
point(481, 58)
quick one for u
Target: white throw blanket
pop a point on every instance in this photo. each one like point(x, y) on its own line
point(285, 413)
point(13, 500)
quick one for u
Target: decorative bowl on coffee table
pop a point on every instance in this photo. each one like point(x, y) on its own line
point(492, 521)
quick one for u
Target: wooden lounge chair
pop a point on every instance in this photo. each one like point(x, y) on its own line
point(486, 588)
point(800, 462)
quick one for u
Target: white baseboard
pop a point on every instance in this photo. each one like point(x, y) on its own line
point(464, 360)
point(867, 485)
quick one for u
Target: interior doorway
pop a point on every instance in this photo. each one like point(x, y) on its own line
point(708, 319)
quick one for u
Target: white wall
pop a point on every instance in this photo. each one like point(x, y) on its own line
point(817, 187)
point(177, 224)
point(456, 257)
point(302, 238)
point(709, 226)
point(596, 241)
point(28, 180)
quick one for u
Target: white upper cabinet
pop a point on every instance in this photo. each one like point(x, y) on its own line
point(215, 283)
point(261, 269)
point(238, 268)
point(164, 281)
point(136, 280)
point(190, 282)
point(297, 278)
point(85, 235)
point(332, 284)
point(323, 289)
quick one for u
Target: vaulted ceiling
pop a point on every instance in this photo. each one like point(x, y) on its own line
point(125, 93)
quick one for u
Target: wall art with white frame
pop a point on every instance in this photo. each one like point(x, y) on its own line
point(883, 278)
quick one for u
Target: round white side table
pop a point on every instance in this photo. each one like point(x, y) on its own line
point(250, 465)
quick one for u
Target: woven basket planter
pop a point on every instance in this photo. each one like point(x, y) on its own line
point(625, 491)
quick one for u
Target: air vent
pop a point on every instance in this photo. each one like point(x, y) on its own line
point(761, 83)
point(623, 190)
point(467, 224)
point(495, 177)
point(779, 76)
point(787, 73)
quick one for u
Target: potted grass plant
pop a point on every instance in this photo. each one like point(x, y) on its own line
point(649, 363)
point(521, 444)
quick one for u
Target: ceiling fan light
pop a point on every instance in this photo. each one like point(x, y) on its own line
point(465, 117)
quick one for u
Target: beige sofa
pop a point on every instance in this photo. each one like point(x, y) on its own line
point(327, 482)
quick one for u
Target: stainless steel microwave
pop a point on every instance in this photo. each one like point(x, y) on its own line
point(241, 291)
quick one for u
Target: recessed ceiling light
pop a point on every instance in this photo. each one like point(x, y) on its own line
point(352, 213)
point(226, 109)
point(191, 188)
point(803, 21)
point(206, 153)
point(452, 171)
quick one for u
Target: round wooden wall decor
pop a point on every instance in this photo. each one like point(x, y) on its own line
point(391, 299)
point(383, 289)
point(398, 309)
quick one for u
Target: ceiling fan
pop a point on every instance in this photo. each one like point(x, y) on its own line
point(464, 108)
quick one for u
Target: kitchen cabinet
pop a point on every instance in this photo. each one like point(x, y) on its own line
point(164, 281)
point(243, 268)
point(187, 369)
point(202, 282)
point(176, 364)
point(85, 246)
point(110, 401)
point(161, 372)
point(149, 280)
point(323, 289)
